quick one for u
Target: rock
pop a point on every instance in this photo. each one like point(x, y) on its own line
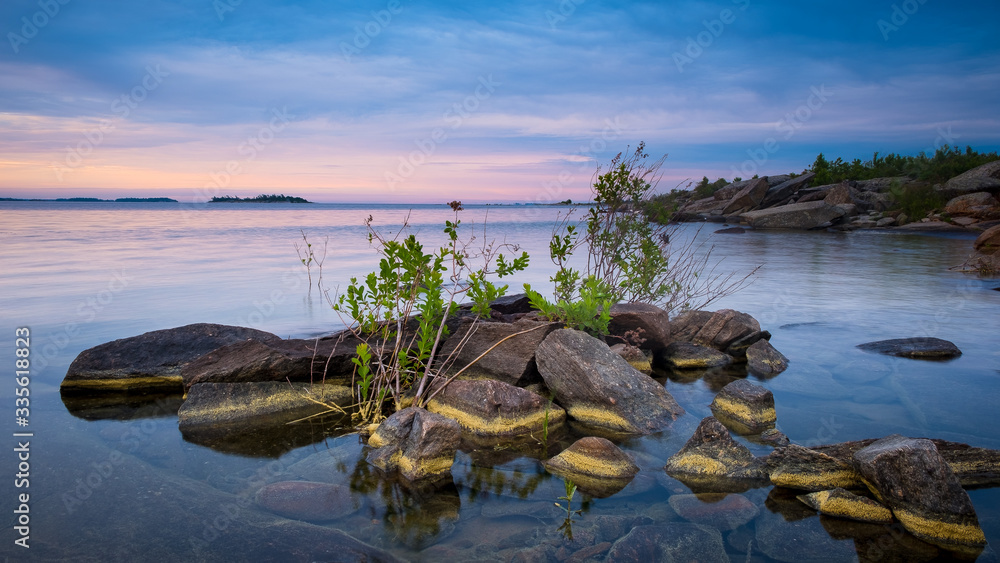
point(738, 348)
point(647, 321)
point(494, 408)
point(684, 355)
point(419, 444)
point(981, 205)
point(774, 437)
point(910, 477)
point(981, 178)
point(598, 388)
point(777, 180)
point(786, 189)
point(675, 541)
point(750, 406)
point(875, 201)
point(731, 231)
point(842, 503)
point(764, 360)
point(151, 361)
point(798, 541)
point(597, 466)
point(724, 328)
point(687, 324)
point(711, 456)
point(796, 467)
point(840, 194)
point(511, 304)
point(721, 511)
point(747, 198)
point(885, 222)
point(237, 405)
point(726, 193)
point(962, 221)
point(513, 361)
point(276, 360)
point(793, 216)
point(635, 357)
point(881, 185)
point(920, 347)
point(988, 242)
point(304, 500)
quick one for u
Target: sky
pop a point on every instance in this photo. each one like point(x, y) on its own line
point(409, 101)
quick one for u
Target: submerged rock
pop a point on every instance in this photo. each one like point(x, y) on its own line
point(599, 388)
point(685, 355)
point(647, 321)
point(494, 408)
point(512, 361)
point(764, 360)
point(595, 465)
point(721, 511)
point(842, 503)
point(417, 443)
point(912, 479)
point(796, 467)
point(750, 406)
point(712, 457)
point(920, 347)
point(304, 500)
point(676, 541)
point(151, 361)
point(808, 215)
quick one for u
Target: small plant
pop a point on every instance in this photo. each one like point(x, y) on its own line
point(308, 257)
point(567, 525)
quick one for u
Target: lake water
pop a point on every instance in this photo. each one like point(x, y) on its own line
point(129, 488)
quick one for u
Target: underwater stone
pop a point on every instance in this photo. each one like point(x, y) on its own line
point(305, 500)
point(675, 541)
point(719, 510)
point(918, 348)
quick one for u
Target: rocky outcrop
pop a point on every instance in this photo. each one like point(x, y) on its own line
point(986, 256)
point(841, 503)
point(494, 408)
point(513, 361)
point(980, 205)
point(646, 321)
point(598, 388)
point(305, 500)
point(920, 347)
point(418, 444)
point(685, 355)
point(781, 193)
point(152, 361)
point(711, 456)
point(764, 360)
point(980, 179)
point(809, 215)
point(744, 407)
point(595, 465)
point(914, 481)
point(747, 198)
point(238, 405)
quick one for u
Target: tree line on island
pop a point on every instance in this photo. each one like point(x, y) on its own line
point(262, 198)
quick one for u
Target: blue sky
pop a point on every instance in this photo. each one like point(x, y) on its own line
point(507, 101)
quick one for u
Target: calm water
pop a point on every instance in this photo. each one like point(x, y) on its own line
point(131, 488)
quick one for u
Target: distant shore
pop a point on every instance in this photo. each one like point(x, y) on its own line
point(97, 200)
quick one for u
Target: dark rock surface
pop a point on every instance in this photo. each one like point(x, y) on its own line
point(725, 327)
point(513, 361)
point(749, 405)
point(721, 511)
point(416, 443)
point(713, 456)
point(786, 189)
point(915, 482)
point(650, 321)
point(225, 405)
point(808, 215)
point(305, 500)
point(674, 541)
point(920, 347)
point(985, 178)
point(685, 355)
point(764, 360)
point(599, 388)
point(796, 467)
point(153, 360)
point(493, 408)
point(841, 503)
point(747, 198)
point(738, 348)
point(597, 466)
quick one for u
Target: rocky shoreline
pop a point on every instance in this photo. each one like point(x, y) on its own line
point(238, 380)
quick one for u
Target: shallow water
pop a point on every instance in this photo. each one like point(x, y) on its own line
point(81, 274)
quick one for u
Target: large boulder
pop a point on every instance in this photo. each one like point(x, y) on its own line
point(646, 321)
point(841, 194)
point(595, 465)
point(687, 324)
point(712, 456)
point(914, 481)
point(979, 179)
point(326, 359)
point(674, 541)
point(781, 192)
point(919, 347)
point(152, 361)
point(270, 403)
point(726, 193)
point(764, 360)
point(418, 444)
point(512, 361)
point(494, 408)
point(747, 198)
point(599, 388)
point(981, 205)
point(724, 328)
point(809, 215)
point(744, 407)
point(988, 242)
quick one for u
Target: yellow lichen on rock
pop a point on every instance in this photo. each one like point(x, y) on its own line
point(695, 463)
point(599, 416)
point(597, 467)
point(844, 504)
point(843, 478)
point(743, 413)
point(125, 383)
point(940, 532)
point(499, 426)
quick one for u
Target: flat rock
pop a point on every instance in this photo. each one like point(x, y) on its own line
point(721, 511)
point(685, 355)
point(981, 178)
point(493, 408)
point(711, 454)
point(228, 405)
point(599, 388)
point(304, 500)
point(675, 541)
point(796, 467)
point(595, 465)
point(749, 405)
point(764, 360)
point(910, 477)
point(841, 503)
point(152, 361)
point(808, 215)
point(416, 443)
point(920, 347)
point(643, 319)
point(513, 361)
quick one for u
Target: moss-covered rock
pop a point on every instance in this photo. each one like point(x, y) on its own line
point(685, 355)
point(494, 408)
point(842, 503)
point(712, 459)
point(595, 465)
point(744, 407)
point(796, 467)
point(416, 443)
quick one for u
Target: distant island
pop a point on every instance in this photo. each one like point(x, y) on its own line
point(94, 199)
point(262, 198)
